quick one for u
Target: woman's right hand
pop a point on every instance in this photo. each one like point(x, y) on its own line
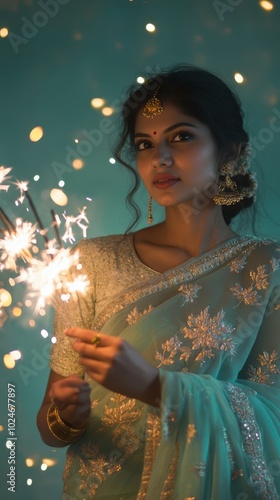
point(72, 397)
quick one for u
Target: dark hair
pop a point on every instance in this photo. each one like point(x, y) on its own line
point(204, 96)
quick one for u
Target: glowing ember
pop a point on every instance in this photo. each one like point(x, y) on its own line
point(3, 178)
point(53, 274)
point(17, 243)
point(70, 220)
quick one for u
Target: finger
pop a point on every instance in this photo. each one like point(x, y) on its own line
point(89, 336)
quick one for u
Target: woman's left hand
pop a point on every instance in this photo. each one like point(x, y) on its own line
point(115, 364)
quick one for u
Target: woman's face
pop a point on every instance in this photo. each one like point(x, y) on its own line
point(176, 156)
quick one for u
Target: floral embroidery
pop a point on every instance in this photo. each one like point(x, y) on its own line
point(259, 278)
point(120, 418)
point(152, 442)
point(169, 348)
point(268, 366)
point(237, 264)
point(135, 315)
point(209, 333)
point(250, 295)
point(189, 292)
point(70, 455)
point(191, 432)
point(95, 468)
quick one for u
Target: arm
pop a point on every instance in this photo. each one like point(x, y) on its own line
point(72, 397)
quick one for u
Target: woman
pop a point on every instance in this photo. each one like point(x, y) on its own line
point(165, 378)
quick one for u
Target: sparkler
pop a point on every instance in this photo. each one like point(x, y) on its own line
point(3, 174)
point(54, 274)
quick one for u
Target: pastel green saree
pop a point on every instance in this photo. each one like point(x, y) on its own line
point(211, 325)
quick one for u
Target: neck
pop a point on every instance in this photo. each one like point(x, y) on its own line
point(195, 232)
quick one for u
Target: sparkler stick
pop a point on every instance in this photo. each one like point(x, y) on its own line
point(7, 222)
point(54, 224)
point(34, 210)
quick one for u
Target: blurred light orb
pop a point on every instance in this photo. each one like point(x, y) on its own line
point(16, 312)
point(9, 361)
point(36, 178)
point(4, 32)
point(29, 482)
point(12, 282)
point(36, 134)
point(140, 79)
point(44, 466)
point(1, 428)
point(150, 27)
point(32, 323)
point(28, 303)
point(112, 160)
point(77, 164)
point(16, 355)
point(3, 317)
point(5, 298)
point(29, 462)
point(53, 340)
point(48, 461)
point(61, 184)
point(44, 333)
point(107, 111)
point(266, 5)
point(59, 197)
point(238, 78)
point(97, 102)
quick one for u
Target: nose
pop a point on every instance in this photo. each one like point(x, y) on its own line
point(162, 156)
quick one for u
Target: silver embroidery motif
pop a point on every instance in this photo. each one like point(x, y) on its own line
point(169, 350)
point(252, 443)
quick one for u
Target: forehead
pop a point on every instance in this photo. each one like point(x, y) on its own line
point(170, 116)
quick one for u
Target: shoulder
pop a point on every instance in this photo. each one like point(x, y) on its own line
point(102, 246)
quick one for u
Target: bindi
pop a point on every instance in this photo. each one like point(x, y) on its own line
point(154, 132)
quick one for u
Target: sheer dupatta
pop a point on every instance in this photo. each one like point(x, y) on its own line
point(211, 326)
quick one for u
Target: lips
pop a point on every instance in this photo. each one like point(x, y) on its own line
point(162, 181)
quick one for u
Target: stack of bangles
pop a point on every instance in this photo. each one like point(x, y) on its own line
point(59, 429)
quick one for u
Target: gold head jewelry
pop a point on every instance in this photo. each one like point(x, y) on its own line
point(153, 106)
point(228, 191)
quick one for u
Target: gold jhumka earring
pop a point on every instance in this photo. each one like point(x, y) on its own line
point(150, 210)
point(228, 193)
point(153, 106)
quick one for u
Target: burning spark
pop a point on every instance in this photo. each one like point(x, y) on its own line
point(3, 178)
point(53, 274)
point(17, 243)
point(23, 187)
point(70, 220)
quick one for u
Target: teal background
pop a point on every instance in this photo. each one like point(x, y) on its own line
point(96, 48)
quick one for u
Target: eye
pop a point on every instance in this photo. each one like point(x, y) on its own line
point(141, 145)
point(182, 137)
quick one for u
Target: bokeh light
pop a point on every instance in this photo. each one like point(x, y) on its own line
point(59, 197)
point(36, 134)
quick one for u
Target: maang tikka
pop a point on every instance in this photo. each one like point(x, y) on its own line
point(153, 106)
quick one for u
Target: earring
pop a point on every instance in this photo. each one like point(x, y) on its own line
point(150, 210)
point(228, 193)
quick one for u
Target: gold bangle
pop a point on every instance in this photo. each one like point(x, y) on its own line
point(59, 429)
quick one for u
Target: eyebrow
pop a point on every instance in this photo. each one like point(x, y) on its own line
point(169, 129)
